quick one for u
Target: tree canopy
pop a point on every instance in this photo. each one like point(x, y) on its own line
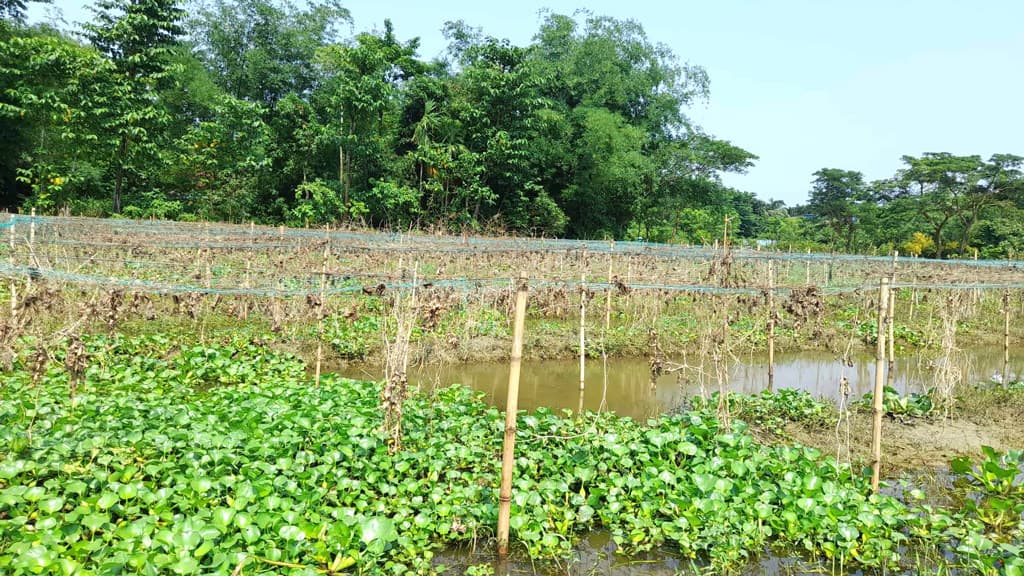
point(280, 112)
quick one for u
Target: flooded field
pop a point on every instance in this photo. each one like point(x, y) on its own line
point(555, 383)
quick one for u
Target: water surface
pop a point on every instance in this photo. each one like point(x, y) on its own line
point(629, 391)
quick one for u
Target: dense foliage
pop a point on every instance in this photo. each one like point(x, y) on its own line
point(202, 459)
point(245, 110)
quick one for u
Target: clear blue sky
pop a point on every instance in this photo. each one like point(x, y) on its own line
point(803, 84)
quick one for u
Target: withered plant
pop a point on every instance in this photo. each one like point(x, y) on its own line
point(396, 365)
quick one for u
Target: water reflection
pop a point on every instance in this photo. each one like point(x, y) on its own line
point(555, 383)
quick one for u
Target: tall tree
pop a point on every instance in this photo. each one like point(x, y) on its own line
point(834, 197)
point(359, 102)
point(263, 50)
point(138, 36)
point(50, 87)
point(940, 188)
point(611, 82)
point(689, 171)
point(1000, 178)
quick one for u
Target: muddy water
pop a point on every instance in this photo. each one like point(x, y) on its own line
point(555, 383)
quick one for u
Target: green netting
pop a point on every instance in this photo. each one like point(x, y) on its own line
point(166, 257)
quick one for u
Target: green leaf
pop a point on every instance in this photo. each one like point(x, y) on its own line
point(377, 529)
point(292, 533)
point(95, 521)
point(106, 500)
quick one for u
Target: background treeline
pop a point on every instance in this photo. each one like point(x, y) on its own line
point(263, 110)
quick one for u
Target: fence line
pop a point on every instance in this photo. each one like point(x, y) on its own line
point(183, 235)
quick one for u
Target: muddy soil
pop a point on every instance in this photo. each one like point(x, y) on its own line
point(914, 444)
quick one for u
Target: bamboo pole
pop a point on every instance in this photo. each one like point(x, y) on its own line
point(890, 322)
point(878, 408)
point(248, 270)
point(320, 306)
point(1006, 336)
point(31, 248)
point(604, 339)
point(14, 285)
point(771, 327)
point(511, 407)
point(807, 269)
point(583, 341)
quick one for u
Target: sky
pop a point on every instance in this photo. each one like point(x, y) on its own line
point(804, 85)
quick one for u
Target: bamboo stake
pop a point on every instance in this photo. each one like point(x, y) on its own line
point(771, 327)
point(807, 269)
point(511, 407)
point(913, 305)
point(604, 338)
point(320, 306)
point(31, 248)
point(876, 428)
point(14, 286)
point(248, 270)
point(890, 322)
point(1006, 336)
point(583, 342)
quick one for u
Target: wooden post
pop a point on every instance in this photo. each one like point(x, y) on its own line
point(771, 327)
point(878, 408)
point(320, 306)
point(604, 339)
point(913, 305)
point(511, 407)
point(248, 271)
point(807, 269)
point(890, 322)
point(31, 248)
point(10, 258)
point(583, 341)
point(1006, 336)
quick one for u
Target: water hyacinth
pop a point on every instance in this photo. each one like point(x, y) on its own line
point(224, 458)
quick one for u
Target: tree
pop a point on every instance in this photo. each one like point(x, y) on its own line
point(496, 102)
point(52, 89)
point(265, 52)
point(689, 172)
point(359, 102)
point(14, 10)
point(1000, 178)
point(942, 188)
point(262, 50)
point(611, 175)
point(834, 196)
point(138, 37)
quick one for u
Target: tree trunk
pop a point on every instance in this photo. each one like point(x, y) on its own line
point(965, 237)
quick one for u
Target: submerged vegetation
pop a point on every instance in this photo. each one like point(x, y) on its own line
point(226, 459)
